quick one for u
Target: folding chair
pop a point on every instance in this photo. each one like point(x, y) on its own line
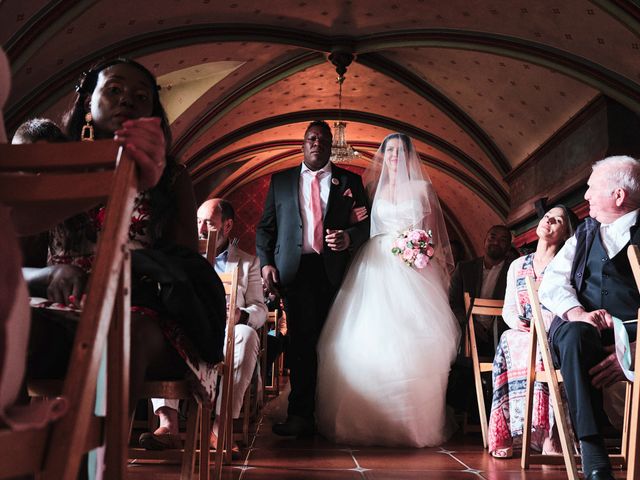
point(225, 419)
point(633, 466)
point(553, 377)
point(37, 176)
point(480, 306)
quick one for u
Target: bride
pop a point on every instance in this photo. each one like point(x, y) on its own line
point(390, 337)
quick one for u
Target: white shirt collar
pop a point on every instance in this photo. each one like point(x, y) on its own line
point(324, 170)
point(622, 224)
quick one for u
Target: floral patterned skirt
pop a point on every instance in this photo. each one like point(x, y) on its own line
point(509, 390)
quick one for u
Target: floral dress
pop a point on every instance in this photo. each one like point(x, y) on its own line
point(510, 375)
point(74, 243)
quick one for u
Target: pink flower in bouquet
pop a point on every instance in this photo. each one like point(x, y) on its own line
point(421, 260)
point(400, 243)
point(416, 235)
point(408, 254)
point(430, 250)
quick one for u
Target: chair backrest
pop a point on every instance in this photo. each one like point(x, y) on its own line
point(479, 306)
point(207, 246)
point(43, 176)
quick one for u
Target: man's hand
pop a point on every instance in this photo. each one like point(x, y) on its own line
point(601, 319)
point(337, 240)
point(608, 371)
point(66, 284)
point(271, 279)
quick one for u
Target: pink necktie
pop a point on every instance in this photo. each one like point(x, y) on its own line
point(316, 212)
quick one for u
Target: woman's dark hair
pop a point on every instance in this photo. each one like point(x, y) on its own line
point(74, 119)
point(40, 129)
point(406, 142)
point(572, 219)
point(161, 195)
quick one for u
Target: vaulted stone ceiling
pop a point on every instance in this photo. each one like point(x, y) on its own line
point(479, 85)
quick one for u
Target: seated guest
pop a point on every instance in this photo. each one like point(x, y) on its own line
point(511, 360)
point(119, 99)
point(482, 277)
point(218, 213)
point(34, 247)
point(587, 283)
point(14, 306)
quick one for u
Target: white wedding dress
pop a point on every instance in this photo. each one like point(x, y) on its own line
point(386, 348)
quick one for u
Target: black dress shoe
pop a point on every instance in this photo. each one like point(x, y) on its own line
point(600, 474)
point(294, 427)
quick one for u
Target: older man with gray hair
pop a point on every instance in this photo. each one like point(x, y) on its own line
point(585, 285)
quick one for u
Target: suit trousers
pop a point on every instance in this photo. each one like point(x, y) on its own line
point(306, 302)
point(577, 347)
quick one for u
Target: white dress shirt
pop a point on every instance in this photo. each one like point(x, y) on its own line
point(556, 292)
point(304, 193)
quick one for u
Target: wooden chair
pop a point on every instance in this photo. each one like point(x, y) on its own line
point(186, 457)
point(553, 378)
point(198, 414)
point(38, 176)
point(633, 466)
point(225, 420)
point(480, 306)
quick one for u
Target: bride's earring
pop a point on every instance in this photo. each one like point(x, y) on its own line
point(86, 135)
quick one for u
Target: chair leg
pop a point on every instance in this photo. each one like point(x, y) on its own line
point(482, 413)
point(528, 400)
point(205, 435)
point(189, 453)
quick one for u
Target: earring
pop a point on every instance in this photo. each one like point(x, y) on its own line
point(86, 135)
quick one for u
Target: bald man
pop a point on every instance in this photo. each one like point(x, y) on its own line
point(219, 214)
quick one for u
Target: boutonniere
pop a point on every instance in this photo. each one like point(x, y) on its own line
point(347, 193)
point(335, 181)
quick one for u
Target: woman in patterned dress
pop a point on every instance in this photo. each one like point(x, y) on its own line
point(511, 359)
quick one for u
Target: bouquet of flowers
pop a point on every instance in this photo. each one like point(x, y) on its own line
point(415, 247)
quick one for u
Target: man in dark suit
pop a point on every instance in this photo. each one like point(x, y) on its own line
point(482, 277)
point(587, 283)
point(304, 240)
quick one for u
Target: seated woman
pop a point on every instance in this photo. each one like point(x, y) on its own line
point(511, 360)
point(14, 307)
point(119, 99)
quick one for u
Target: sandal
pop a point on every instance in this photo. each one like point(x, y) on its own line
point(502, 452)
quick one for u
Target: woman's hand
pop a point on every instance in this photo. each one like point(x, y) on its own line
point(358, 214)
point(144, 140)
point(66, 284)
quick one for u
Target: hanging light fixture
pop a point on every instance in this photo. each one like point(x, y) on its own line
point(341, 151)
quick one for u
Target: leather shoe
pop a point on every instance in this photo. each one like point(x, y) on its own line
point(295, 426)
point(600, 474)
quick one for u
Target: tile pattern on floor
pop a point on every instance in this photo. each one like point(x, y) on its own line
point(271, 457)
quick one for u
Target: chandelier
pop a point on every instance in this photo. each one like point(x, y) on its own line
point(341, 151)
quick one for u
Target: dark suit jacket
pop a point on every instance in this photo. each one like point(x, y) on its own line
point(279, 233)
point(467, 277)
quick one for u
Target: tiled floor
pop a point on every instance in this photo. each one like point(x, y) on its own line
point(272, 457)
